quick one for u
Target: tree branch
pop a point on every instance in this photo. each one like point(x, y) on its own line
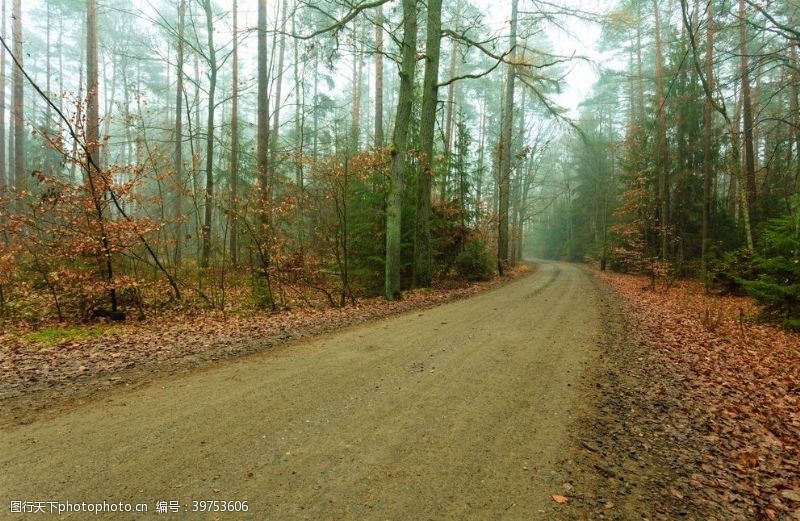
point(91, 163)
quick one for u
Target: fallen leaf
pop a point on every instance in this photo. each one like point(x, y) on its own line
point(559, 499)
point(792, 495)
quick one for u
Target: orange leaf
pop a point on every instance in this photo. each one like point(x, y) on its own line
point(559, 499)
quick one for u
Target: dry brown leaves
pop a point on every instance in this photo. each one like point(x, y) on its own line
point(741, 395)
point(207, 335)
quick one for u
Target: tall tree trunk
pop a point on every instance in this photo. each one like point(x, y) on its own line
point(49, 113)
point(481, 161)
point(97, 180)
point(505, 150)
point(639, 65)
point(430, 100)
point(394, 202)
point(18, 101)
point(110, 95)
point(262, 152)
point(355, 129)
point(196, 157)
point(262, 138)
point(795, 109)
point(278, 84)
point(378, 77)
point(212, 88)
point(747, 108)
point(708, 136)
point(299, 142)
point(177, 160)
point(516, 194)
point(663, 144)
point(451, 107)
point(79, 110)
point(233, 206)
point(315, 110)
point(3, 181)
point(60, 45)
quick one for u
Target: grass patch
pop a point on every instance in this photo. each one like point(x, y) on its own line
point(52, 336)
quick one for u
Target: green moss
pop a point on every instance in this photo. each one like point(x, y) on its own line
point(55, 335)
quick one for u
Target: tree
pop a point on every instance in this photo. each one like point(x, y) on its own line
point(708, 137)
point(663, 144)
point(430, 100)
point(504, 149)
point(379, 76)
point(3, 181)
point(18, 97)
point(747, 111)
point(177, 160)
point(262, 156)
point(394, 200)
point(98, 181)
point(212, 89)
point(276, 115)
point(233, 205)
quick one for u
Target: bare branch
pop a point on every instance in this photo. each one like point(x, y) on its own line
point(338, 25)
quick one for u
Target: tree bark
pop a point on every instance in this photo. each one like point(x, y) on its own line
point(299, 143)
point(262, 138)
point(451, 108)
point(262, 153)
point(3, 181)
point(48, 73)
point(18, 101)
point(97, 180)
point(355, 129)
point(430, 100)
point(276, 121)
point(394, 202)
point(177, 160)
point(233, 205)
point(378, 77)
point(663, 144)
point(795, 107)
point(747, 111)
point(504, 151)
point(639, 65)
point(212, 88)
point(708, 136)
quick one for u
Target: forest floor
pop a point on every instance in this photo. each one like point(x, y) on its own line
point(562, 395)
point(697, 414)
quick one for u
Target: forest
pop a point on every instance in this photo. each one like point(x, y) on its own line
point(400, 259)
point(264, 155)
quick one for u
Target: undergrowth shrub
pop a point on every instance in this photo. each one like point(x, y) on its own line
point(776, 287)
point(475, 262)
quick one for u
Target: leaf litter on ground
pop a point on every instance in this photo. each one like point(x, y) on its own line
point(738, 405)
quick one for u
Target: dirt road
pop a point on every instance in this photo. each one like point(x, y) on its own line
point(457, 412)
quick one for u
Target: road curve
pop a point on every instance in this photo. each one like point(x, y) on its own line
point(457, 412)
